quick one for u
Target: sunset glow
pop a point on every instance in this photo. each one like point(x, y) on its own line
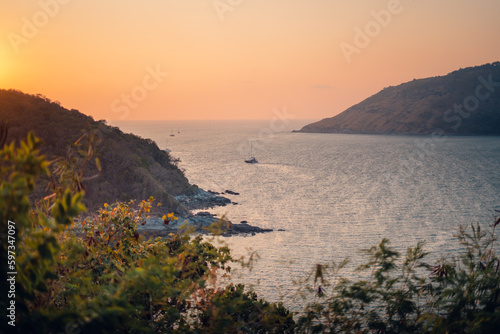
point(238, 60)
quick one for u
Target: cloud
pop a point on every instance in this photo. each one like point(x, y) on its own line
point(323, 86)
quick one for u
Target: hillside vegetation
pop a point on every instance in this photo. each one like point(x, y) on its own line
point(100, 276)
point(464, 102)
point(131, 167)
point(65, 275)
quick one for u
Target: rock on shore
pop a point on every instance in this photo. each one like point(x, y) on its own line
point(202, 200)
point(200, 222)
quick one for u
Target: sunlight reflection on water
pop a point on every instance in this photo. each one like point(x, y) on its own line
point(330, 192)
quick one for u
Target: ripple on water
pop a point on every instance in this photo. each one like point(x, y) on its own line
point(334, 194)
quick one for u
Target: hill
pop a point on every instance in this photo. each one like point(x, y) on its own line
point(464, 102)
point(131, 167)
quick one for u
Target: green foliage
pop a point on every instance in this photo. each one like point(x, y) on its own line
point(35, 233)
point(69, 172)
point(232, 310)
point(132, 167)
point(97, 276)
point(466, 290)
point(461, 295)
point(386, 302)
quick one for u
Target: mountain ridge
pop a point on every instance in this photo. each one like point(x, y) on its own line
point(463, 102)
point(133, 168)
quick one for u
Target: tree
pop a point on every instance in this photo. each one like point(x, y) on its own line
point(96, 275)
point(458, 295)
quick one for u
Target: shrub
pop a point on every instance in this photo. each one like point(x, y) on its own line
point(98, 276)
point(458, 295)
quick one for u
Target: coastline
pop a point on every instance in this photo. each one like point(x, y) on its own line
point(200, 222)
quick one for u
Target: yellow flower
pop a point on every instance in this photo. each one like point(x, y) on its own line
point(171, 216)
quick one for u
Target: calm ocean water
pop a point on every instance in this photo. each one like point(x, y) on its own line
point(332, 194)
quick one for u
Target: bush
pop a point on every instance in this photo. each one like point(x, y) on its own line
point(98, 276)
point(460, 295)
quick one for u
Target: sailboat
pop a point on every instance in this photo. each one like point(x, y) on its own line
point(252, 159)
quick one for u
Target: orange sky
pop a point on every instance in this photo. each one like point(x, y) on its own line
point(235, 59)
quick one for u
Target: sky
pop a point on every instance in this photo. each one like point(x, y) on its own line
point(235, 59)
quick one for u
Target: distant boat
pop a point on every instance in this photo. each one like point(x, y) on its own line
point(252, 159)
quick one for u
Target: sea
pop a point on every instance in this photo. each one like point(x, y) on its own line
point(328, 196)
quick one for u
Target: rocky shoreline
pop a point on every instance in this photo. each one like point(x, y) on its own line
point(201, 221)
point(203, 200)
